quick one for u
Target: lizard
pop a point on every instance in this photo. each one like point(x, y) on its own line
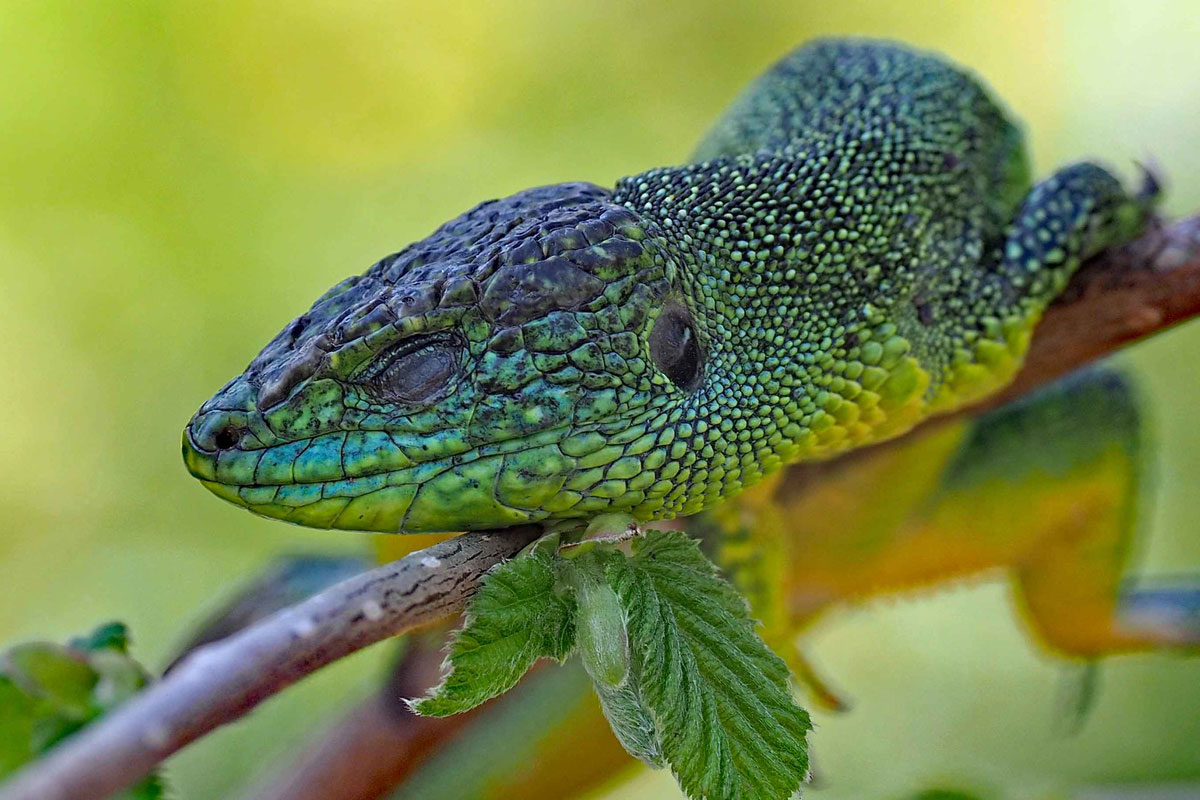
point(856, 246)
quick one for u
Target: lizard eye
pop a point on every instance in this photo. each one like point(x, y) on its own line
point(675, 348)
point(416, 370)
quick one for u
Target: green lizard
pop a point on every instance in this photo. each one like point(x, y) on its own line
point(855, 247)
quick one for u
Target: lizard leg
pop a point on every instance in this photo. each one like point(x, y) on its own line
point(1070, 581)
point(1064, 219)
point(748, 540)
point(1073, 214)
point(1146, 617)
point(1073, 597)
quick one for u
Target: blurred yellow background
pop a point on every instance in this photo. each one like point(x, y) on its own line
point(178, 180)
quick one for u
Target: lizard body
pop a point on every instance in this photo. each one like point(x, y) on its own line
point(855, 248)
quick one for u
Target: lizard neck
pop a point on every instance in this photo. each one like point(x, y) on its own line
point(807, 317)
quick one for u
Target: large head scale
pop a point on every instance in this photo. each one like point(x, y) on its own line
point(528, 360)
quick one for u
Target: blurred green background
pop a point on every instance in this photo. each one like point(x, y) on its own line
point(177, 180)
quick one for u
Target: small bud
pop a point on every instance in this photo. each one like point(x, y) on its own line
point(600, 634)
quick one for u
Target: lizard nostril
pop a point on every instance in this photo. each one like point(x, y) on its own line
point(228, 436)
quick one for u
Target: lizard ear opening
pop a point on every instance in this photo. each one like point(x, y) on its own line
point(675, 348)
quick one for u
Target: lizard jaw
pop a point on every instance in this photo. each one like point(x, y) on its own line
point(330, 482)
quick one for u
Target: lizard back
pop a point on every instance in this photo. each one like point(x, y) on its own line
point(831, 91)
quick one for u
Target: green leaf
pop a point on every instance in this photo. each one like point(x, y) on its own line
point(48, 692)
point(515, 618)
point(719, 698)
point(152, 788)
point(603, 646)
point(631, 722)
point(18, 712)
point(52, 672)
point(109, 636)
point(118, 677)
point(681, 672)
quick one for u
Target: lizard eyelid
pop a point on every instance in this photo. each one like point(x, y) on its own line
point(417, 370)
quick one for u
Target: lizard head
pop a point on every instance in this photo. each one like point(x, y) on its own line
point(529, 360)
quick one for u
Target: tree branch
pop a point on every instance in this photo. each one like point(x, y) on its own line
point(220, 682)
point(1123, 295)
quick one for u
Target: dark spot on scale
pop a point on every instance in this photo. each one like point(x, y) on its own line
point(951, 160)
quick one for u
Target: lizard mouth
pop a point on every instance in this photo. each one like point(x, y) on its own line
point(331, 481)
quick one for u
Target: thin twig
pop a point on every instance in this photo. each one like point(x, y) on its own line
point(220, 682)
point(1124, 295)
